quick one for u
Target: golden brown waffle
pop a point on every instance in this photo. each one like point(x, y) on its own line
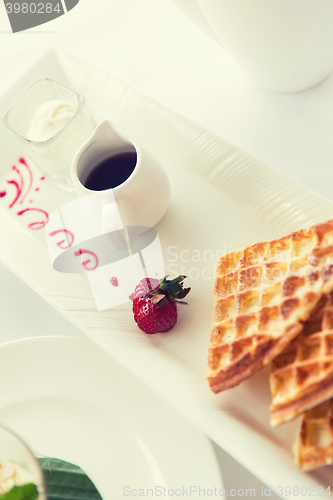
point(314, 444)
point(302, 376)
point(262, 294)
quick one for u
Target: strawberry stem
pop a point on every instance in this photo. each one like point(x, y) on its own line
point(169, 290)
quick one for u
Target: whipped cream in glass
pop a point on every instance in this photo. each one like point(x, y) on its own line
point(49, 119)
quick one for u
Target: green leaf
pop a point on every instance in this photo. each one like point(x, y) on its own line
point(26, 492)
point(180, 278)
point(66, 481)
point(182, 293)
point(163, 279)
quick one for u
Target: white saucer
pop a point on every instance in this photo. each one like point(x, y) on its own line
point(68, 399)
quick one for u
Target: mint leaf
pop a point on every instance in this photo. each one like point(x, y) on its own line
point(67, 481)
point(26, 492)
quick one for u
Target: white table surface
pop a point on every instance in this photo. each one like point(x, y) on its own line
point(155, 48)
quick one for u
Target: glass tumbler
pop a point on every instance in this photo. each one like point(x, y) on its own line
point(54, 155)
point(15, 451)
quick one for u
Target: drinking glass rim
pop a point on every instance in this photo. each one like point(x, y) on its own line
point(42, 494)
point(43, 144)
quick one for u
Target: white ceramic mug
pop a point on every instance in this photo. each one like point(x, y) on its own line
point(144, 197)
point(283, 45)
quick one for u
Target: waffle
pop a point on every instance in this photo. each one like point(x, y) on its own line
point(314, 444)
point(302, 376)
point(262, 294)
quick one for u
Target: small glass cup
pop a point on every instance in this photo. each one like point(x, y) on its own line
point(53, 156)
point(15, 451)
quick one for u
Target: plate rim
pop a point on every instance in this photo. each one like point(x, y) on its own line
point(44, 344)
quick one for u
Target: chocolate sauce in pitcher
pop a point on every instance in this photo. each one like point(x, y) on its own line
point(111, 172)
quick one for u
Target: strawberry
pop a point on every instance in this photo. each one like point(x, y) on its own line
point(155, 303)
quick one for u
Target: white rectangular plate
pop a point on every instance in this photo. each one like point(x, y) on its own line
point(222, 199)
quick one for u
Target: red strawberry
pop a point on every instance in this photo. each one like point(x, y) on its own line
point(155, 304)
point(144, 287)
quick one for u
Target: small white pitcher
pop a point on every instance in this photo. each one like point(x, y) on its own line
point(144, 197)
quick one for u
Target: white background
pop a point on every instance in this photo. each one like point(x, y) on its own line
point(155, 48)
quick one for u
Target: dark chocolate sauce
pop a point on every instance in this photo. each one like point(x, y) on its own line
point(111, 172)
